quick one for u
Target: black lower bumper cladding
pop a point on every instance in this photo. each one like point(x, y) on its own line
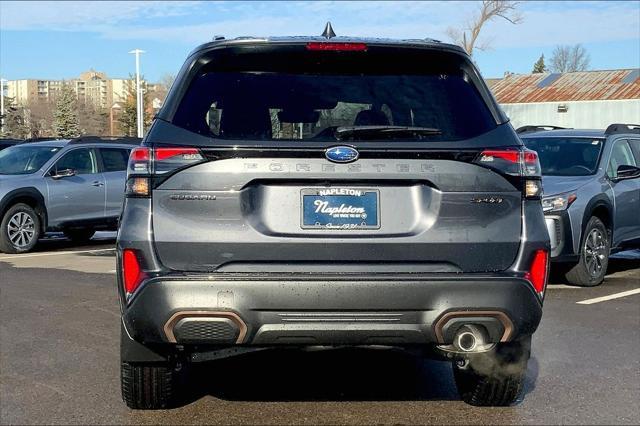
point(278, 310)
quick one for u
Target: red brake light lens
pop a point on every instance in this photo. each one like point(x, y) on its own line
point(161, 154)
point(139, 161)
point(539, 271)
point(344, 47)
point(145, 162)
point(132, 273)
point(140, 154)
point(515, 162)
point(512, 161)
point(512, 156)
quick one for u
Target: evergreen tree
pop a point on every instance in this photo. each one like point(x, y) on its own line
point(65, 115)
point(539, 66)
point(15, 125)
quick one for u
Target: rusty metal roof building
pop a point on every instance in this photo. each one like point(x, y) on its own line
point(567, 87)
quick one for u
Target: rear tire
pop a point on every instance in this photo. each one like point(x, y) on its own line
point(79, 235)
point(494, 378)
point(19, 229)
point(594, 256)
point(147, 386)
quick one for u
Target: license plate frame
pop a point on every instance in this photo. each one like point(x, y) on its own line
point(346, 199)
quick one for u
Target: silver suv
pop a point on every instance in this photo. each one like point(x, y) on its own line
point(75, 186)
point(591, 181)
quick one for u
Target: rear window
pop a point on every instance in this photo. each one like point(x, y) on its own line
point(114, 159)
point(287, 98)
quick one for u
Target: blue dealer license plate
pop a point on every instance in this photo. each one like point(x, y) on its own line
point(340, 208)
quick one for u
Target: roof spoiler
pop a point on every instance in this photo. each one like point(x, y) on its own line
point(618, 128)
point(538, 128)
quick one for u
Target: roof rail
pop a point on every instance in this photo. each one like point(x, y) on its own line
point(538, 128)
point(41, 139)
point(618, 128)
point(106, 139)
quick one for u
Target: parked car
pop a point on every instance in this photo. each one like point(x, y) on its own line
point(591, 181)
point(6, 143)
point(75, 186)
point(304, 191)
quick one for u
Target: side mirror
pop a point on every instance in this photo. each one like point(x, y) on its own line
point(59, 174)
point(627, 172)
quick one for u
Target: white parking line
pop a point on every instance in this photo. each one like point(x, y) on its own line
point(55, 253)
point(569, 287)
point(609, 297)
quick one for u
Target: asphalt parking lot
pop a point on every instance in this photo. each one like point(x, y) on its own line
point(59, 360)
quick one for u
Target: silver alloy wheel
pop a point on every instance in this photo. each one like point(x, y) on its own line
point(21, 229)
point(594, 252)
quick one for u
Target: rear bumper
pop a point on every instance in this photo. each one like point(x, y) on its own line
point(355, 310)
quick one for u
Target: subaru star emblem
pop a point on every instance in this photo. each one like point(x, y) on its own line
point(341, 154)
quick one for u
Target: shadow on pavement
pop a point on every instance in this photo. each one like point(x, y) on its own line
point(59, 243)
point(620, 262)
point(349, 374)
point(624, 261)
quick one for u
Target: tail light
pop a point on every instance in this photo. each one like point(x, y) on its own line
point(539, 272)
point(132, 273)
point(145, 162)
point(516, 162)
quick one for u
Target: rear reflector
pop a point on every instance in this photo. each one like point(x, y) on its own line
point(132, 273)
point(347, 47)
point(538, 272)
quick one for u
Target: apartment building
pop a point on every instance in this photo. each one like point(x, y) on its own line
point(91, 87)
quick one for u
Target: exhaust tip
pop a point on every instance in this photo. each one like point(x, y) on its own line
point(466, 341)
point(470, 338)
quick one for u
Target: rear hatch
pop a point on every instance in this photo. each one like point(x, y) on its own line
point(308, 158)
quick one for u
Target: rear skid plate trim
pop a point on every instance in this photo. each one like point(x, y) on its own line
point(500, 316)
point(170, 324)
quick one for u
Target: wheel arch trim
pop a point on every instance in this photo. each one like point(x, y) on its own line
point(28, 192)
point(599, 201)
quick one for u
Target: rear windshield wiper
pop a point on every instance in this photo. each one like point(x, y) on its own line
point(383, 132)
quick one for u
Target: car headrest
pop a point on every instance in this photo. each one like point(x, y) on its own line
point(370, 117)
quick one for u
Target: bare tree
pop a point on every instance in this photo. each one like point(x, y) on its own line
point(92, 119)
point(468, 37)
point(39, 118)
point(570, 59)
point(167, 81)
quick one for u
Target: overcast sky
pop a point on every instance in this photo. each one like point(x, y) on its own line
point(57, 40)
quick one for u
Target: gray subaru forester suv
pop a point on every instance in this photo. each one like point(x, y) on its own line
point(311, 192)
point(74, 186)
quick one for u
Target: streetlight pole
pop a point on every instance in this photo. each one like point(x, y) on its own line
point(139, 106)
